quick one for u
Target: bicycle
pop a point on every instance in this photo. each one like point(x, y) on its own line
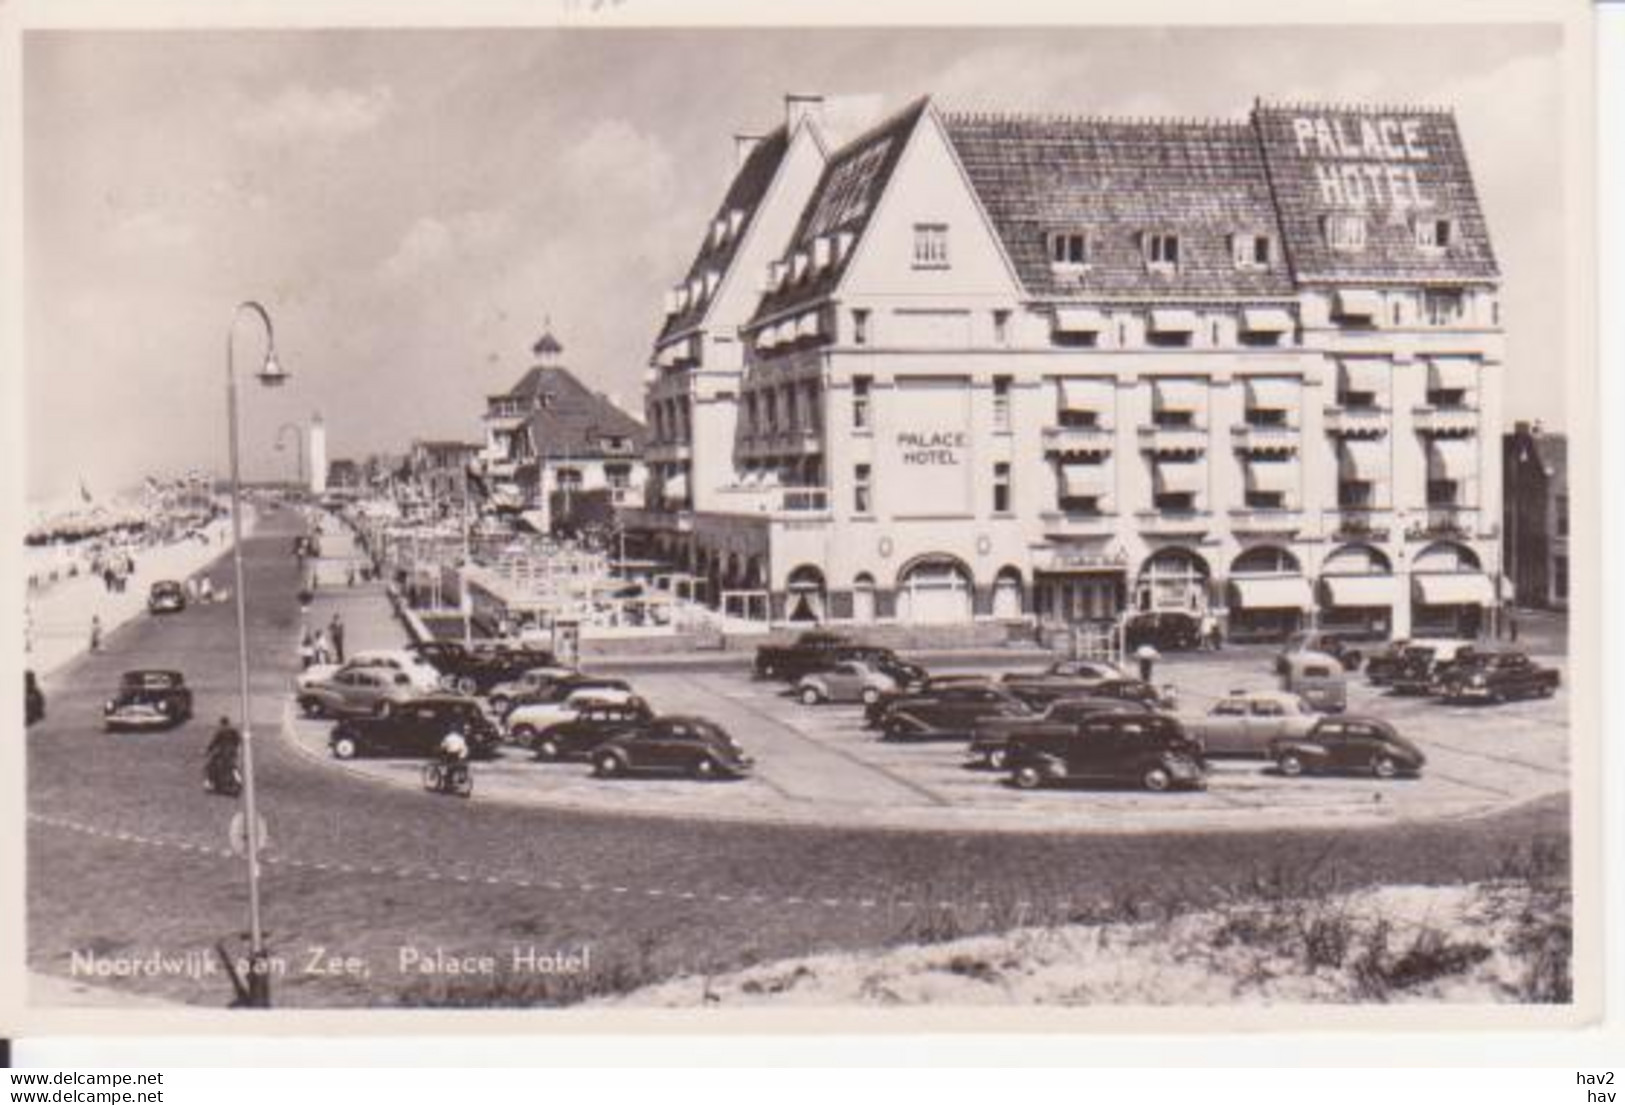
point(439, 778)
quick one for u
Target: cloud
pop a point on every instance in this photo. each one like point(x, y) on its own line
point(432, 242)
point(299, 113)
point(617, 155)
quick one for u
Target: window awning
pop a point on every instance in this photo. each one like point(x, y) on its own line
point(1180, 477)
point(1369, 590)
point(675, 489)
point(1272, 476)
point(1364, 375)
point(1359, 303)
point(1452, 374)
point(1178, 395)
point(1085, 481)
point(1086, 394)
point(1362, 460)
point(1266, 320)
point(1271, 593)
point(767, 337)
point(1272, 393)
point(1172, 320)
point(1078, 320)
point(1452, 458)
point(1453, 589)
point(807, 325)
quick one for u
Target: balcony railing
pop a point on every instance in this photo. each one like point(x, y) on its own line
point(1079, 522)
point(1357, 421)
point(1454, 420)
point(1173, 439)
point(1258, 438)
point(1443, 521)
point(1266, 520)
point(1174, 521)
point(775, 500)
point(1360, 523)
point(1078, 439)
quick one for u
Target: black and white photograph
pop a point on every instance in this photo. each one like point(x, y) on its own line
point(583, 518)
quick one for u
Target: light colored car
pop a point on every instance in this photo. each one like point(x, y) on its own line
point(529, 685)
point(530, 720)
point(847, 681)
point(357, 691)
point(1243, 723)
point(424, 675)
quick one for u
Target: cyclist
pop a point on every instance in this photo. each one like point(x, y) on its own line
point(220, 761)
point(453, 757)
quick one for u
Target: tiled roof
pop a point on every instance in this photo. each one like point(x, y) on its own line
point(570, 419)
point(1379, 163)
point(853, 179)
point(1116, 181)
point(745, 194)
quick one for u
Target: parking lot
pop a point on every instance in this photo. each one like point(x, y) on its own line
point(819, 764)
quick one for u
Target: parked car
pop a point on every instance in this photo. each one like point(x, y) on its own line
point(1318, 679)
point(990, 738)
point(1039, 691)
point(424, 675)
point(579, 737)
point(476, 671)
point(1320, 640)
point(33, 699)
point(1150, 750)
point(166, 597)
point(353, 691)
point(678, 745)
point(1382, 665)
point(816, 651)
point(148, 699)
point(528, 686)
point(1348, 744)
point(949, 712)
point(416, 728)
point(1497, 677)
point(1097, 670)
point(1425, 662)
point(847, 681)
point(874, 711)
point(1164, 630)
point(526, 723)
point(1245, 723)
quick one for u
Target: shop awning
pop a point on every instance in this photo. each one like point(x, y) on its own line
point(1180, 477)
point(1272, 593)
point(1078, 320)
point(1452, 374)
point(1266, 320)
point(767, 337)
point(1362, 460)
point(1172, 320)
point(1371, 590)
point(1359, 303)
point(675, 489)
point(1272, 393)
point(1364, 375)
point(1085, 481)
point(1272, 476)
point(1178, 395)
point(1453, 589)
point(1452, 458)
point(1086, 393)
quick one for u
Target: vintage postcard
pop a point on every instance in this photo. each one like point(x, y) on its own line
point(602, 515)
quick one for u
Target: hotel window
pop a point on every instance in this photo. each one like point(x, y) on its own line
point(770, 400)
point(1265, 416)
point(860, 327)
point(1162, 252)
point(815, 414)
point(1356, 494)
point(618, 476)
point(861, 491)
point(1345, 233)
point(1001, 404)
point(792, 413)
point(1069, 249)
point(1001, 487)
point(1266, 500)
point(1252, 251)
point(860, 402)
point(569, 479)
point(1561, 523)
point(752, 414)
point(1001, 327)
point(1175, 502)
point(1442, 493)
point(1560, 578)
point(930, 245)
point(1435, 234)
point(1443, 307)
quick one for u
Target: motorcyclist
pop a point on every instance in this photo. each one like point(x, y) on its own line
point(220, 761)
point(453, 755)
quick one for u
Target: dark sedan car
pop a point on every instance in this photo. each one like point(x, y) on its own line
point(1148, 750)
point(1497, 677)
point(991, 740)
point(416, 729)
point(166, 597)
point(148, 699)
point(1039, 691)
point(949, 712)
point(1166, 631)
point(581, 736)
point(672, 745)
point(477, 670)
point(874, 712)
point(1348, 745)
point(33, 699)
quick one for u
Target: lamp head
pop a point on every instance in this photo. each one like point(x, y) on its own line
point(272, 374)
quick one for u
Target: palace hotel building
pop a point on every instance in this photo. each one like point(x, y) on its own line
point(1003, 367)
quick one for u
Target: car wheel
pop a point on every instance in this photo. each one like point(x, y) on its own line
point(385, 708)
point(1028, 777)
point(310, 707)
point(705, 768)
point(448, 682)
point(1157, 779)
point(344, 748)
point(547, 749)
point(1384, 767)
point(1290, 765)
point(466, 685)
point(871, 695)
point(524, 736)
point(810, 696)
point(499, 704)
point(996, 759)
point(607, 766)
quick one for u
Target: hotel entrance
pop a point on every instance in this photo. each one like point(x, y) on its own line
point(934, 591)
point(1074, 596)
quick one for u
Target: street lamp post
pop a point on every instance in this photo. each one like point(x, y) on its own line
point(299, 440)
point(464, 599)
point(270, 375)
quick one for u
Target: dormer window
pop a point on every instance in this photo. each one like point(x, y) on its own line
point(1069, 250)
point(1253, 252)
point(823, 252)
point(799, 264)
point(1344, 233)
point(736, 219)
point(1435, 235)
point(1162, 251)
point(930, 245)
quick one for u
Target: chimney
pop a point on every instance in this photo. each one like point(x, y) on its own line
point(798, 107)
point(1520, 429)
point(744, 146)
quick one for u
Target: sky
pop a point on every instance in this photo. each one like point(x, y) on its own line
point(414, 206)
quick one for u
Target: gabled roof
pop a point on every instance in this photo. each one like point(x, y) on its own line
point(744, 195)
point(1116, 181)
point(569, 418)
point(1391, 165)
point(851, 185)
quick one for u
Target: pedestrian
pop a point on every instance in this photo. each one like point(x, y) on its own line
point(349, 576)
point(335, 633)
point(1147, 657)
point(95, 633)
point(307, 650)
point(324, 647)
point(1205, 631)
point(1218, 636)
point(205, 589)
point(1512, 625)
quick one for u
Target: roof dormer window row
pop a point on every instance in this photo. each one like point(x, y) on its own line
point(822, 254)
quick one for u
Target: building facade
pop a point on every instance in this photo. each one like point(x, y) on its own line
point(1536, 525)
point(1011, 367)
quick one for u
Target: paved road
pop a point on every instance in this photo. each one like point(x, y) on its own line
point(366, 882)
